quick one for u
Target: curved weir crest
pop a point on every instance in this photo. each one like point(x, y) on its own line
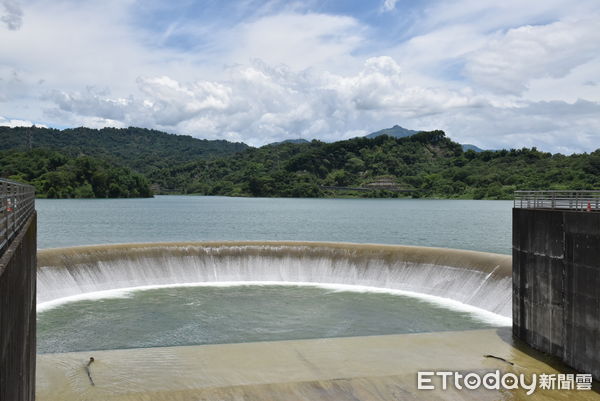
point(481, 280)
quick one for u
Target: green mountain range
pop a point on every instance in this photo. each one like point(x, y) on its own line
point(128, 162)
point(98, 163)
point(140, 149)
point(427, 163)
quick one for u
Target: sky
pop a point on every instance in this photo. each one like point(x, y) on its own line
point(497, 74)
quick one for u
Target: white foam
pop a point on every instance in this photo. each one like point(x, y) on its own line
point(450, 304)
point(88, 296)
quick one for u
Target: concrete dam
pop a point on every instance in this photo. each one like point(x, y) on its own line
point(478, 279)
point(472, 282)
point(556, 275)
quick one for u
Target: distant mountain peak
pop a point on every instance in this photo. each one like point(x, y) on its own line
point(396, 131)
point(468, 146)
point(400, 132)
point(300, 140)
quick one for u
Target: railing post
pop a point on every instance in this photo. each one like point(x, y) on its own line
point(570, 202)
point(5, 210)
point(10, 207)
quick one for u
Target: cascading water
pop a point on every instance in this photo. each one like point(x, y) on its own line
point(478, 279)
point(231, 322)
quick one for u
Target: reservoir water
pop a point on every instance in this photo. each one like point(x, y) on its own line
point(461, 224)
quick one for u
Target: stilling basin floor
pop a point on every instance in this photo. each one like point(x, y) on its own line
point(378, 368)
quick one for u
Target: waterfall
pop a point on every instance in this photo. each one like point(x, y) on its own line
point(482, 280)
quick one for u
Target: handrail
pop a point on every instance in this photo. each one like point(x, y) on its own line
point(17, 204)
point(585, 200)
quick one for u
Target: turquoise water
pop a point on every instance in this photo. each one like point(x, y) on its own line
point(219, 315)
point(462, 224)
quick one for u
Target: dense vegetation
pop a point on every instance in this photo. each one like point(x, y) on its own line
point(122, 163)
point(55, 175)
point(429, 162)
point(140, 149)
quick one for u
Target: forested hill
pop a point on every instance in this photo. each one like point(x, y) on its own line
point(140, 149)
point(427, 162)
point(123, 163)
point(55, 175)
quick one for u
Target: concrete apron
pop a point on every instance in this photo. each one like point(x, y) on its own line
point(379, 368)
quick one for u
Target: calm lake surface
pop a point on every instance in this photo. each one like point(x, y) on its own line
point(462, 224)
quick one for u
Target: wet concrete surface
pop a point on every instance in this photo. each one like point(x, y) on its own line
point(355, 368)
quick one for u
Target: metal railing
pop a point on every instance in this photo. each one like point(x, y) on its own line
point(17, 204)
point(574, 200)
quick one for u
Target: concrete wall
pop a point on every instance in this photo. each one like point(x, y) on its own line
point(17, 316)
point(556, 284)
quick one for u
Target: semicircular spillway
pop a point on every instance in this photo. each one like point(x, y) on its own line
point(479, 279)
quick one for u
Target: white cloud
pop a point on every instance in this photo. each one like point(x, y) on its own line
point(261, 104)
point(493, 74)
point(531, 124)
point(6, 122)
point(297, 40)
point(12, 16)
point(99, 122)
point(580, 83)
point(511, 60)
point(486, 16)
point(389, 5)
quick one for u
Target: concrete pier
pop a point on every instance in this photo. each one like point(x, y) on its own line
point(556, 282)
point(17, 292)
